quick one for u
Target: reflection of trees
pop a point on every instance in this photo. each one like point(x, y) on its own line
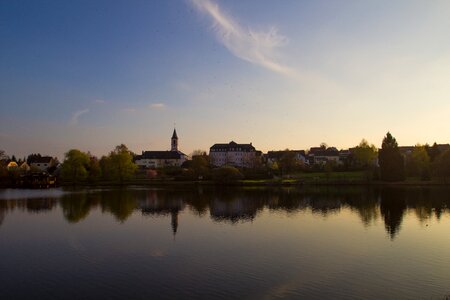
point(235, 205)
point(76, 206)
point(120, 203)
point(2, 217)
point(366, 205)
point(392, 208)
point(40, 205)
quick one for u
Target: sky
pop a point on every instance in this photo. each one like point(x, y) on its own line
point(281, 74)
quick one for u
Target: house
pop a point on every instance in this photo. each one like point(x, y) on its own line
point(25, 167)
point(42, 163)
point(160, 159)
point(12, 165)
point(322, 155)
point(275, 156)
point(234, 154)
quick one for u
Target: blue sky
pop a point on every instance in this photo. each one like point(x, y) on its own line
point(281, 74)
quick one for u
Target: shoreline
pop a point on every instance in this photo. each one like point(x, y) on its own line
point(171, 183)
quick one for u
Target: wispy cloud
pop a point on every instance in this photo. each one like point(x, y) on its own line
point(157, 105)
point(76, 116)
point(129, 109)
point(246, 43)
point(99, 101)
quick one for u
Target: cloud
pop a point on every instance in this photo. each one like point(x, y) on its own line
point(129, 109)
point(246, 43)
point(76, 115)
point(157, 106)
point(99, 101)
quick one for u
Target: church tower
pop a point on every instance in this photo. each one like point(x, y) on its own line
point(174, 143)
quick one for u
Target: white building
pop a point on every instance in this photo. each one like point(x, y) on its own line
point(42, 163)
point(160, 159)
point(233, 154)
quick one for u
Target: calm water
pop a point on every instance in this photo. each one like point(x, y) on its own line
point(235, 243)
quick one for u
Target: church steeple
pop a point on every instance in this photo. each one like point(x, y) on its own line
point(174, 142)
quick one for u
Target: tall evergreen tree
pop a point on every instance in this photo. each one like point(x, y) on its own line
point(392, 165)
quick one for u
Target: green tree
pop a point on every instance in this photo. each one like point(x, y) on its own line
point(365, 154)
point(391, 160)
point(75, 166)
point(120, 164)
point(95, 171)
point(226, 174)
point(288, 162)
point(418, 162)
point(200, 165)
point(441, 166)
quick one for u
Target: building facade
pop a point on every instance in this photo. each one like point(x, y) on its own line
point(161, 159)
point(42, 163)
point(234, 154)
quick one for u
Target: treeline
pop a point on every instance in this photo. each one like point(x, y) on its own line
point(391, 163)
point(423, 161)
point(81, 166)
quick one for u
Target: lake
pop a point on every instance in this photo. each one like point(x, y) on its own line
point(228, 243)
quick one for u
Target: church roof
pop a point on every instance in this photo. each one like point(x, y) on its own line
point(161, 155)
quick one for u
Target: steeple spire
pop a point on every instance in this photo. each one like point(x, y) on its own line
point(174, 141)
point(174, 135)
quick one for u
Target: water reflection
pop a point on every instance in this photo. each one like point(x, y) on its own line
point(242, 205)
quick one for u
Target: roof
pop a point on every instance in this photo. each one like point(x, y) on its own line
point(233, 146)
point(160, 155)
point(443, 147)
point(174, 135)
point(320, 151)
point(41, 160)
point(279, 154)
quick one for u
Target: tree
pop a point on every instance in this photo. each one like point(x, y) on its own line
point(226, 174)
point(94, 169)
point(198, 152)
point(200, 165)
point(3, 155)
point(433, 151)
point(120, 163)
point(32, 157)
point(391, 160)
point(441, 165)
point(288, 162)
point(365, 154)
point(418, 162)
point(75, 166)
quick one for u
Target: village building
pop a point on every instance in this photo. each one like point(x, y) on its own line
point(12, 165)
point(25, 167)
point(322, 155)
point(160, 159)
point(42, 163)
point(275, 156)
point(234, 154)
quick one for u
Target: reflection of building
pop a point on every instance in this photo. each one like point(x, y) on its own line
point(238, 155)
point(154, 205)
point(238, 209)
point(160, 159)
